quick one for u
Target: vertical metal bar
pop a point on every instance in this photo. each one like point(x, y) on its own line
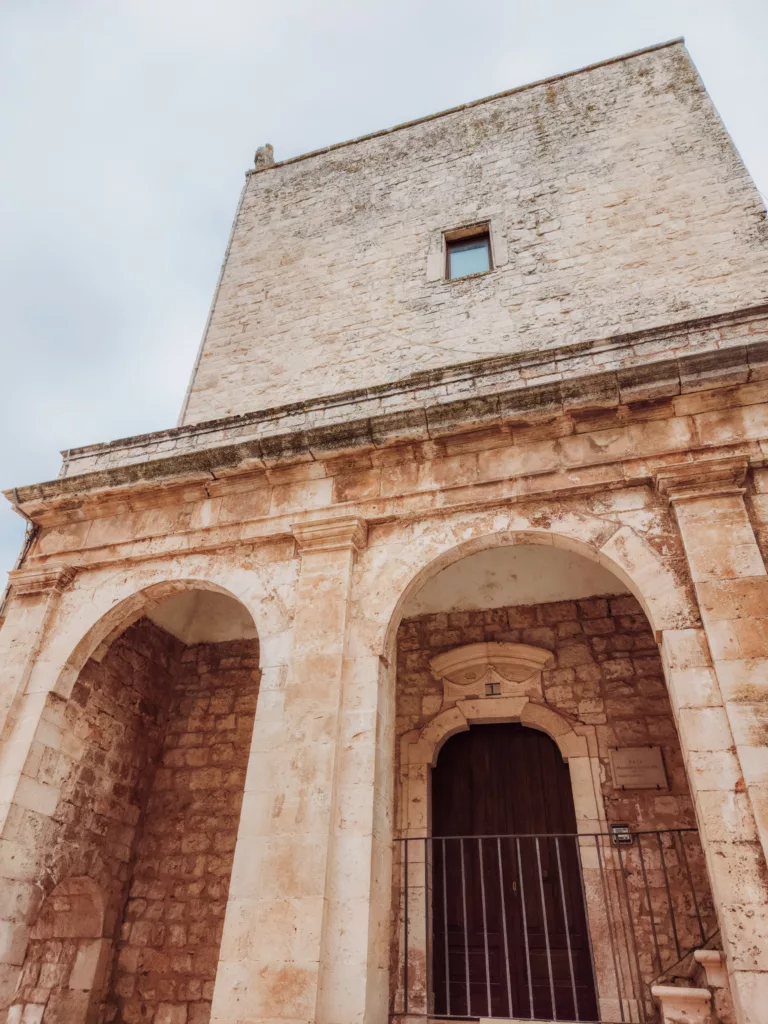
point(485, 927)
point(650, 901)
point(504, 927)
point(428, 922)
point(577, 842)
point(609, 919)
point(405, 914)
point(693, 890)
point(567, 929)
point(669, 894)
point(466, 935)
point(546, 930)
point(445, 936)
point(640, 986)
point(525, 927)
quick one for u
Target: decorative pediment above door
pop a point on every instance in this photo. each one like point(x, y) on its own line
point(491, 670)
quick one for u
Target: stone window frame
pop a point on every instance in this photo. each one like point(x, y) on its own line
point(437, 257)
point(578, 745)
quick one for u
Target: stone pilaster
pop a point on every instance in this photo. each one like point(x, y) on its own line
point(30, 610)
point(31, 606)
point(281, 919)
point(34, 592)
point(723, 738)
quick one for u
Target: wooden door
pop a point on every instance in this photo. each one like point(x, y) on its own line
point(509, 934)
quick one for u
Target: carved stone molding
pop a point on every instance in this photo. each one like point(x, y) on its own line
point(340, 534)
point(491, 670)
point(706, 478)
point(714, 966)
point(41, 579)
point(692, 1005)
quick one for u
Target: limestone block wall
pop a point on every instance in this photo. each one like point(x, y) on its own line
point(84, 785)
point(148, 759)
point(66, 957)
point(616, 202)
point(607, 673)
point(757, 507)
point(86, 781)
point(168, 947)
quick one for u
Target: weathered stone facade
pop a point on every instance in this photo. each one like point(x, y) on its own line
point(619, 184)
point(217, 710)
point(607, 673)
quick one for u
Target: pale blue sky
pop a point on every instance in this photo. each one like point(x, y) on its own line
point(125, 129)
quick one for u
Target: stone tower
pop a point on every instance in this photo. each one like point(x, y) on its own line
point(420, 670)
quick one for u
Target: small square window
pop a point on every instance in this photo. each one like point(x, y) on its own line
point(469, 254)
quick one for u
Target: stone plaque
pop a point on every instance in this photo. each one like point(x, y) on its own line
point(638, 768)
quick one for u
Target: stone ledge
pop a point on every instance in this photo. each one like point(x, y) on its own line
point(363, 420)
point(409, 396)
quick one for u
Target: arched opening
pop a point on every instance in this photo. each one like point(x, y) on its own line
point(146, 743)
point(599, 692)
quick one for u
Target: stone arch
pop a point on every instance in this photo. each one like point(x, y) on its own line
point(578, 746)
point(122, 614)
point(419, 751)
point(149, 726)
point(415, 553)
point(410, 554)
point(66, 958)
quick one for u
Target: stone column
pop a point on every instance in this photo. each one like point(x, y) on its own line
point(30, 611)
point(723, 715)
point(291, 872)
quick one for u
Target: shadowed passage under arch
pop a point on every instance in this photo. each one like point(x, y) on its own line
point(156, 736)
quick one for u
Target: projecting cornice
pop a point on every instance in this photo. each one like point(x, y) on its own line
point(704, 478)
point(499, 394)
point(40, 579)
point(342, 533)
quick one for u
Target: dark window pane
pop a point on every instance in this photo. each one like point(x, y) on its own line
point(468, 256)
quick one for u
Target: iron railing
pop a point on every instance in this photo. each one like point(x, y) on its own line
point(546, 927)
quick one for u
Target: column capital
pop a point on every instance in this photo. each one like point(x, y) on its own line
point(703, 478)
point(41, 579)
point(340, 534)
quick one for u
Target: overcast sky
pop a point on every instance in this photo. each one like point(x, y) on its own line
point(126, 127)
